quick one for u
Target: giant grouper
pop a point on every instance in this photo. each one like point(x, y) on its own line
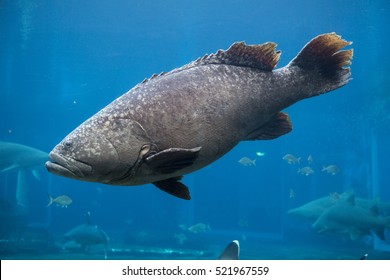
point(178, 122)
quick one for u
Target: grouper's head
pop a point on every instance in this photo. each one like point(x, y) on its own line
point(104, 150)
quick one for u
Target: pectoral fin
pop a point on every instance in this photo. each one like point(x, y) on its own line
point(172, 160)
point(9, 168)
point(174, 187)
point(35, 172)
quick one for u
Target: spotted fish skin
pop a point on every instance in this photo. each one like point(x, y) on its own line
point(178, 122)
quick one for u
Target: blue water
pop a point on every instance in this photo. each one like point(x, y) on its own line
point(62, 61)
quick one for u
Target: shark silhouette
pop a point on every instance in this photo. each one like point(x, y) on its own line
point(17, 157)
point(21, 158)
point(88, 235)
point(346, 217)
point(314, 209)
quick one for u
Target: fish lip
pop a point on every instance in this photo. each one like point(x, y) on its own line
point(67, 167)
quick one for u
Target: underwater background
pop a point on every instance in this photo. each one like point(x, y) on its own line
point(62, 61)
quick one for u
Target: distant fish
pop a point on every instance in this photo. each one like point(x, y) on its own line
point(314, 209)
point(180, 237)
point(182, 226)
point(291, 159)
point(87, 235)
point(347, 217)
point(61, 200)
point(231, 252)
point(16, 157)
point(292, 194)
point(364, 257)
point(199, 228)
point(247, 161)
point(310, 159)
point(331, 169)
point(260, 154)
point(306, 171)
point(21, 158)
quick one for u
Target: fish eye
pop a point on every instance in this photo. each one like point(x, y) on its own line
point(68, 144)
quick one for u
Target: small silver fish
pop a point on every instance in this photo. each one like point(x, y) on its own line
point(199, 228)
point(306, 171)
point(291, 159)
point(331, 169)
point(245, 161)
point(61, 200)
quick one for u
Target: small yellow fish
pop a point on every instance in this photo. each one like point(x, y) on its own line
point(306, 171)
point(331, 169)
point(61, 200)
point(291, 159)
point(247, 161)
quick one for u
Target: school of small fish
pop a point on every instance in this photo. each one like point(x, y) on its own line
point(308, 170)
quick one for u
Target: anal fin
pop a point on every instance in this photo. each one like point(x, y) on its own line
point(174, 187)
point(278, 125)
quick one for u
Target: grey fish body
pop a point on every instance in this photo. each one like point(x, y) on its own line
point(178, 122)
point(196, 116)
point(88, 234)
point(345, 217)
point(14, 156)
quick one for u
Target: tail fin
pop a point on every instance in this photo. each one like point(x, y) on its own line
point(326, 62)
point(50, 200)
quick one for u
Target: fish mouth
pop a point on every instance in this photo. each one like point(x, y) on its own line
point(67, 167)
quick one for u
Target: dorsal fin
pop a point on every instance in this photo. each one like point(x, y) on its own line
point(261, 56)
point(153, 76)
